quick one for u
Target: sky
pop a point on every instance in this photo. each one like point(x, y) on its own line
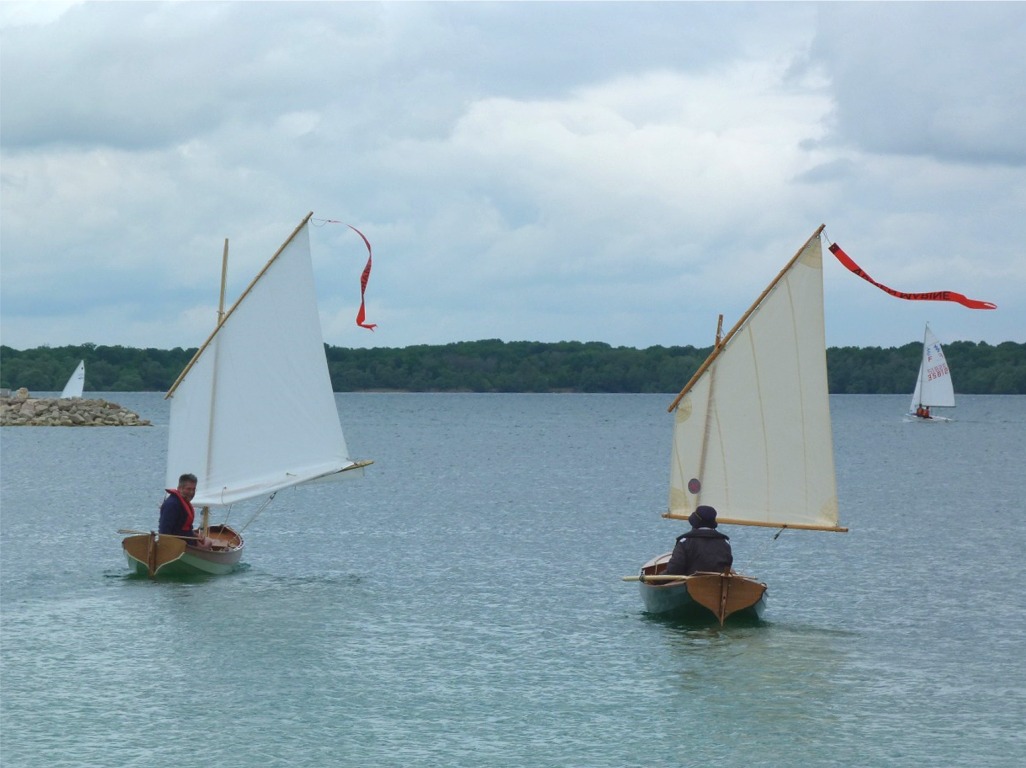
point(525, 171)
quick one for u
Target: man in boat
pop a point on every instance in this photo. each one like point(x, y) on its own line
point(176, 513)
point(703, 548)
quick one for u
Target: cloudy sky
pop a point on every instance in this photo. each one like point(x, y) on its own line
point(617, 172)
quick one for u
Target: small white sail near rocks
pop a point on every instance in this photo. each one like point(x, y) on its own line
point(76, 384)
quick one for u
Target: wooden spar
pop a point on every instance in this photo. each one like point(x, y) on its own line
point(744, 318)
point(238, 301)
point(224, 280)
point(797, 526)
point(168, 535)
point(205, 524)
point(656, 577)
point(709, 394)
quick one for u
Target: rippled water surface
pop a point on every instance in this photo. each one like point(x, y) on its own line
point(461, 605)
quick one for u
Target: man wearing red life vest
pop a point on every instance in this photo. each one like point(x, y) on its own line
point(176, 513)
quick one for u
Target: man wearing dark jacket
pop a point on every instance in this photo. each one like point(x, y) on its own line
point(703, 548)
point(176, 513)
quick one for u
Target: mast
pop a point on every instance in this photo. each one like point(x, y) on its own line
point(922, 365)
point(205, 525)
point(224, 276)
point(709, 396)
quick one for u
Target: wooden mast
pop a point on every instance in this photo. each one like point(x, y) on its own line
point(224, 279)
point(205, 525)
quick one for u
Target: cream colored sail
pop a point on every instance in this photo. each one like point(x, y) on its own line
point(752, 434)
point(254, 411)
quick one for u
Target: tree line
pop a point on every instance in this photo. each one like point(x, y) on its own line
point(492, 365)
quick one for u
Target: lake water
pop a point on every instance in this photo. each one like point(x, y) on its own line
point(462, 604)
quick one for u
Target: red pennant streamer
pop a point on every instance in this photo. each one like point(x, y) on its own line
point(846, 260)
point(361, 316)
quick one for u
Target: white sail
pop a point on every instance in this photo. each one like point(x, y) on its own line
point(933, 384)
point(76, 384)
point(752, 434)
point(254, 411)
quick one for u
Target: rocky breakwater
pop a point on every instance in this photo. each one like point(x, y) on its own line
point(21, 410)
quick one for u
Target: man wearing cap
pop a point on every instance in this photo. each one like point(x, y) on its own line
point(703, 548)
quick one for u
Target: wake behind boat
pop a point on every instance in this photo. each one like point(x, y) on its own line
point(222, 427)
point(934, 387)
point(752, 438)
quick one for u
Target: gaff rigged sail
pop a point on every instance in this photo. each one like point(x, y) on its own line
point(254, 411)
point(752, 434)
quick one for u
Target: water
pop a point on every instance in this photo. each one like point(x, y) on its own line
point(461, 605)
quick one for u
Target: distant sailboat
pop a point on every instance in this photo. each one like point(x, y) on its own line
point(253, 412)
point(752, 438)
point(934, 388)
point(76, 384)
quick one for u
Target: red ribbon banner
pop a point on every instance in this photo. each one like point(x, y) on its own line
point(847, 261)
point(361, 316)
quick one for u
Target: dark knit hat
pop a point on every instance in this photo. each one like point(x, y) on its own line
point(703, 517)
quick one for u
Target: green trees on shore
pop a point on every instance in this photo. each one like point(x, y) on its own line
point(521, 366)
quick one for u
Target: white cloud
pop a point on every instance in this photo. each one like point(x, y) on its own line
point(623, 182)
point(32, 14)
point(941, 79)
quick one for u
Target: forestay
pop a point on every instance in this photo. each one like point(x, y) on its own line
point(254, 411)
point(933, 385)
point(752, 434)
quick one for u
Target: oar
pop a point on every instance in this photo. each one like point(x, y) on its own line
point(658, 577)
point(168, 535)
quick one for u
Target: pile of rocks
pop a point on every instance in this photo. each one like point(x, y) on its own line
point(21, 410)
